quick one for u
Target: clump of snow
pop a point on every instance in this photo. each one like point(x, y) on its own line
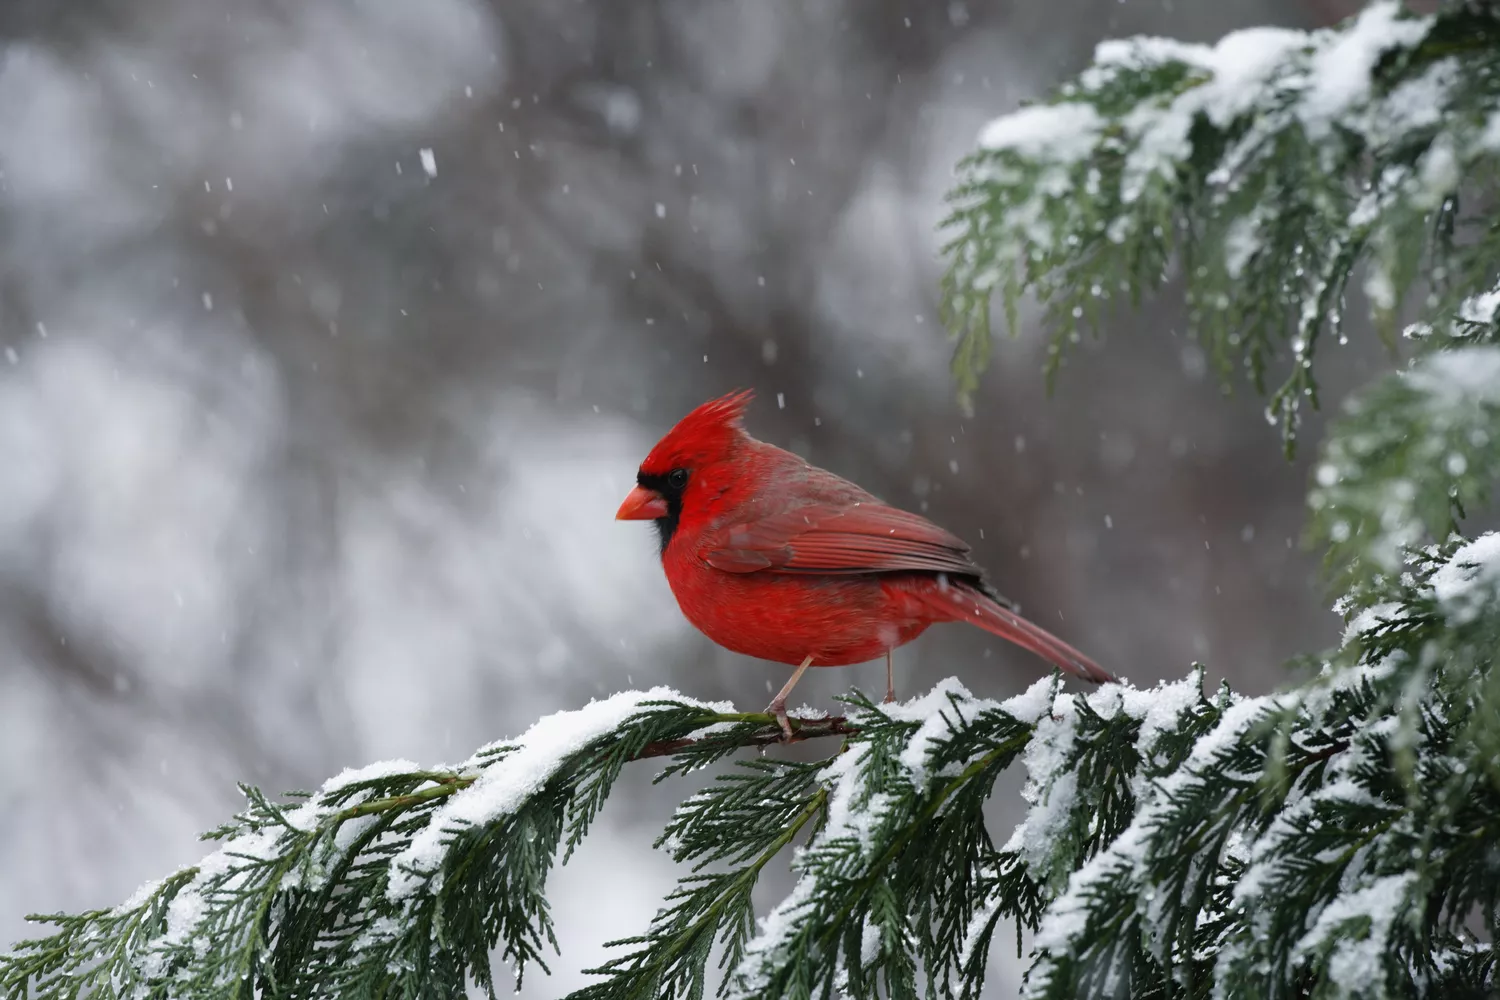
point(1241, 242)
point(1357, 964)
point(1036, 701)
point(1480, 308)
point(1234, 68)
point(1234, 73)
point(1057, 132)
point(233, 866)
point(227, 869)
point(1454, 393)
point(1470, 581)
point(1066, 918)
point(1416, 103)
point(869, 943)
point(1367, 619)
point(937, 712)
point(526, 765)
point(1268, 860)
point(1379, 287)
point(1340, 72)
point(1051, 787)
point(1165, 705)
point(1466, 375)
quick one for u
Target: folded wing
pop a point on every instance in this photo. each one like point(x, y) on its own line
point(867, 537)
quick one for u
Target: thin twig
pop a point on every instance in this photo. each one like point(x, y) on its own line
point(802, 729)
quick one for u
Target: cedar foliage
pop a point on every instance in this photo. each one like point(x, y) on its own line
point(1340, 838)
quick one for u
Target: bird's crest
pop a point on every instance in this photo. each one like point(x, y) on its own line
point(704, 435)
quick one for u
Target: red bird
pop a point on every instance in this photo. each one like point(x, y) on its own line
point(778, 559)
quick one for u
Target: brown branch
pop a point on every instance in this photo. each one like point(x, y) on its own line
point(802, 729)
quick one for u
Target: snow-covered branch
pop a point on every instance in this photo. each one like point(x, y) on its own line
point(1266, 168)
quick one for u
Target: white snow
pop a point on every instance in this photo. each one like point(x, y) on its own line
point(1037, 838)
point(1367, 619)
point(1052, 786)
point(369, 772)
point(1064, 921)
point(504, 786)
point(1165, 705)
point(1356, 964)
point(1470, 581)
point(429, 161)
point(1234, 70)
point(869, 943)
point(1480, 308)
point(226, 867)
point(1241, 243)
point(936, 714)
point(1340, 72)
point(1055, 132)
point(1465, 375)
point(1066, 917)
point(1033, 703)
point(1417, 103)
point(1456, 391)
point(1236, 66)
point(982, 916)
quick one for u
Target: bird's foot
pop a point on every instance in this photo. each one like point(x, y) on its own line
point(890, 696)
point(777, 709)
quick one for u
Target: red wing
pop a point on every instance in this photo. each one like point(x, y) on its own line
point(859, 538)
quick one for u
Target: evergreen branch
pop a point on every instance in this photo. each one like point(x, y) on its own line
point(392, 880)
point(1441, 416)
point(1319, 842)
point(671, 960)
point(1272, 166)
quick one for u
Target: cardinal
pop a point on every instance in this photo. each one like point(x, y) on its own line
point(778, 559)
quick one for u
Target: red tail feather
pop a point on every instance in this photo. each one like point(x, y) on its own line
point(964, 603)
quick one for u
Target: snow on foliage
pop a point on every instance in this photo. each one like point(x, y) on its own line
point(1411, 453)
point(1060, 132)
point(1279, 162)
point(1468, 584)
point(523, 767)
point(1355, 929)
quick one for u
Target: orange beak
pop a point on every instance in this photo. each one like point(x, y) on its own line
point(642, 505)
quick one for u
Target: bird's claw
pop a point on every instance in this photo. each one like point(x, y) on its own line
point(778, 712)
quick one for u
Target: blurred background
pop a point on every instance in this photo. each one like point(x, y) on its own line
point(332, 332)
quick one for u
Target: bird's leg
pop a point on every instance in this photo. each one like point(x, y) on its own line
point(778, 703)
point(890, 679)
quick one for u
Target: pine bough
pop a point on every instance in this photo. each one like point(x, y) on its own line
point(1338, 839)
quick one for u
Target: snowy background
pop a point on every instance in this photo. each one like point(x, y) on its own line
point(310, 441)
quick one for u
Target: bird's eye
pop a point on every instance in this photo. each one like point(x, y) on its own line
point(677, 479)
